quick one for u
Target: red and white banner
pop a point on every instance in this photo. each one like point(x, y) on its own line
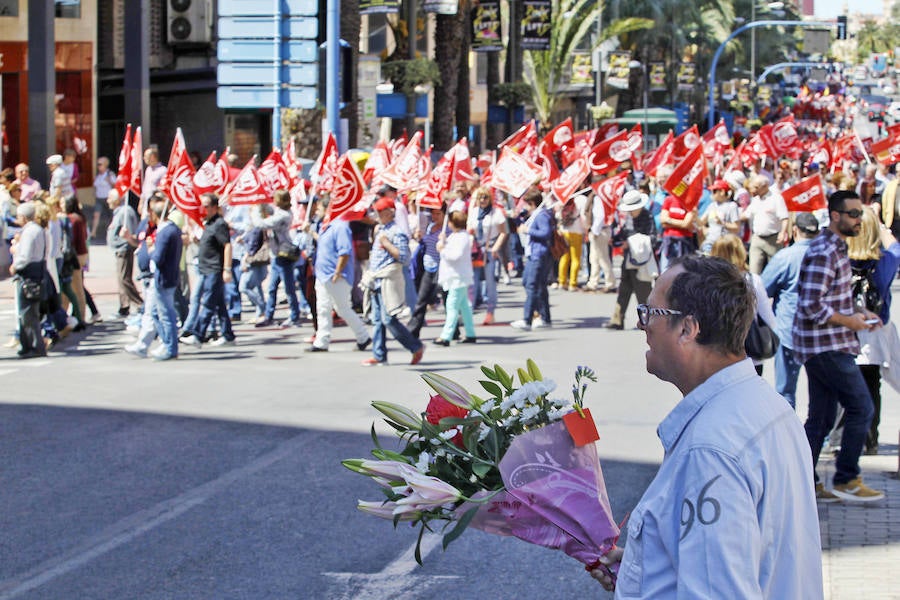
point(609, 192)
point(548, 164)
point(684, 143)
point(571, 180)
point(123, 179)
point(323, 170)
point(561, 137)
point(686, 181)
point(438, 182)
point(273, 173)
point(462, 162)
point(137, 163)
point(378, 162)
point(403, 172)
point(347, 194)
point(178, 148)
point(181, 187)
point(660, 157)
point(806, 195)
point(247, 188)
point(780, 138)
point(887, 151)
point(212, 176)
point(514, 173)
point(611, 152)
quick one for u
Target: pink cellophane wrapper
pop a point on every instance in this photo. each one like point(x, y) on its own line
point(555, 496)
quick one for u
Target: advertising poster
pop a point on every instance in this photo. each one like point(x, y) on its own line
point(536, 24)
point(371, 7)
point(617, 74)
point(486, 27)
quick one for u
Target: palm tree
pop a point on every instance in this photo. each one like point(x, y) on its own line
point(450, 37)
point(571, 23)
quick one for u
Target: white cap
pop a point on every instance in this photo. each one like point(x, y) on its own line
point(54, 159)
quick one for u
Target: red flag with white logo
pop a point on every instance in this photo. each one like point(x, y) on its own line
point(514, 173)
point(571, 180)
point(610, 191)
point(560, 137)
point(780, 138)
point(137, 162)
point(660, 157)
point(273, 173)
point(247, 188)
point(438, 182)
point(398, 144)
point(378, 161)
point(548, 165)
point(822, 154)
point(212, 176)
point(610, 153)
point(686, 181)
point(123, 179)
point(684, 143)
point(806, 195)
point(403, 172)
point(887, 151)
point(323, 170)
point(462, 162)
point(178, 148)
point(347, 194)
point(181, 187)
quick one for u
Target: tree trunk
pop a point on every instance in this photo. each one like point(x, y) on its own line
point(494, 134)
point(351, 25)
point(463, 100)
point(448, 38)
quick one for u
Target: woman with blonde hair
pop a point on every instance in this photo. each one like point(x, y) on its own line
point(874, 259)
point(729, 247)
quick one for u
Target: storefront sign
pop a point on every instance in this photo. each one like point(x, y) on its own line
point(536, 24)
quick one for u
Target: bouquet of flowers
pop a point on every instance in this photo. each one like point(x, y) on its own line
point(516, 463)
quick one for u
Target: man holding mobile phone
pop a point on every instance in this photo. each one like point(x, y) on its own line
point(825, 342)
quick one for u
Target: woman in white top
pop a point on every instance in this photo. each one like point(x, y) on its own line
point(455, 276)
point(730, 247)
point(487, 225)
point(570, 216)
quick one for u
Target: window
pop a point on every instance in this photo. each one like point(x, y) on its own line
point(68, 9)
point(9, 8)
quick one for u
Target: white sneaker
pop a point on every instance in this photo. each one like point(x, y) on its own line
point(221, 342)
point(160, 353)
point(136, 350)
point(520, 324)
point(133, 328)
point(192, 340)
point(539, 324)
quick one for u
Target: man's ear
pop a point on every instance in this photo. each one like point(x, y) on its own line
point(690, 329)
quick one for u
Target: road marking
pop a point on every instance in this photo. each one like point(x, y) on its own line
point(139, 523)
point(5, 372)
point(395, 581)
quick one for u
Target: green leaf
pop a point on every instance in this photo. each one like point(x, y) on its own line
point(481, 470)
point(419, 545)
point(375, 437)
point(523, 376)
point(383, 454)
point(489, 374)
point(491, 388)
point(505, 378)
point(448, 422)
point(460, 527)
point(533, 370)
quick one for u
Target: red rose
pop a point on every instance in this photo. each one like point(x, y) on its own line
point(439, 408)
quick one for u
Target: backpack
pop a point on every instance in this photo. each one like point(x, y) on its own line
point(864, 289)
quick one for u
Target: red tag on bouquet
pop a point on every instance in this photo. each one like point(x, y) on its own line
point(581, 427)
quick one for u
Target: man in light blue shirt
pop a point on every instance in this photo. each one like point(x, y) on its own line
point(781, 278)
point(731, 512)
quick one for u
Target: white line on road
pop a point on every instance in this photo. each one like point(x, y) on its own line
point(395, 581)
point(139, 523)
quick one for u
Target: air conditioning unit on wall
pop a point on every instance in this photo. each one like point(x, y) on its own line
point(188, 22)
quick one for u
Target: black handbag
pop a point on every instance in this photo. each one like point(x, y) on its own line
point(761, 342)
point(32, 290)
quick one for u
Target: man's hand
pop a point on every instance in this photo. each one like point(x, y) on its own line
point(857, 321)
point(226, 275)
point(601, 574)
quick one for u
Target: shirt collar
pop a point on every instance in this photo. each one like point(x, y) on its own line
point(673, 425)
point(835, 239)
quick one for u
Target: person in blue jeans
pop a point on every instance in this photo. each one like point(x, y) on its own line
point(539, 227)
point(387, 285)
point(165, 258)
point(214, 254)
point(781, 278)
point(278, 224)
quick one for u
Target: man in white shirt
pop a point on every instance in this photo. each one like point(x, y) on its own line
point(768, 216)
point(60, 182)
point(599, 236)
point(29, 266)
point(153, 174)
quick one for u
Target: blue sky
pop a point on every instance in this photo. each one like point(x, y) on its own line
point(828, 9)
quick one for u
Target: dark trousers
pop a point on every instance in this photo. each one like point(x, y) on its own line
point(537, 298)
point(427, 294)
point(835, 379)
point(630, 284)
point(212, 303)
point(29, 323)
point(128, 292)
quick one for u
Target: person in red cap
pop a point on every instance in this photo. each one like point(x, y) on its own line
point(721, 216)
point(386, 285)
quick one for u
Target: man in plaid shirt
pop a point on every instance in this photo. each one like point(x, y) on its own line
point(824, 337)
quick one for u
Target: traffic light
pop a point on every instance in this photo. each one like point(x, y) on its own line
point(842, 27)
point(188, 22)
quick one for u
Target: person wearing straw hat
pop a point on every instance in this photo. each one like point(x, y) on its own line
point(634, 219)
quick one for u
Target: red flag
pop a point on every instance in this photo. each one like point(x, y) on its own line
point(347, 193)
point(547, 163)
point(486, 160)
point(299, 201)
point(273, 173)
point(636, 142)
point(887, 151)
point(438, 182)
point(520, 138)
point(462, 163)
point(806, 195)
point(247, 188)
point(181, 187)
point(610, 153)
point(402, 173)
point(686, 181)
point(823, 155)
point(323, 170)
point(780, 138)
point(660, 157)
point(684, 143)
point(397, 145)
point(123, 179)
point(610, 191)
point(137, 162)
point(212, 176)
point(561, 137)
point(605, 131)
point(571, 180)
point(178, 148)
point(715, 142)
point(378, 161)
point(514, 173)
point(425, 167)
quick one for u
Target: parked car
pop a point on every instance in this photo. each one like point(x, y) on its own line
point(875, 107)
